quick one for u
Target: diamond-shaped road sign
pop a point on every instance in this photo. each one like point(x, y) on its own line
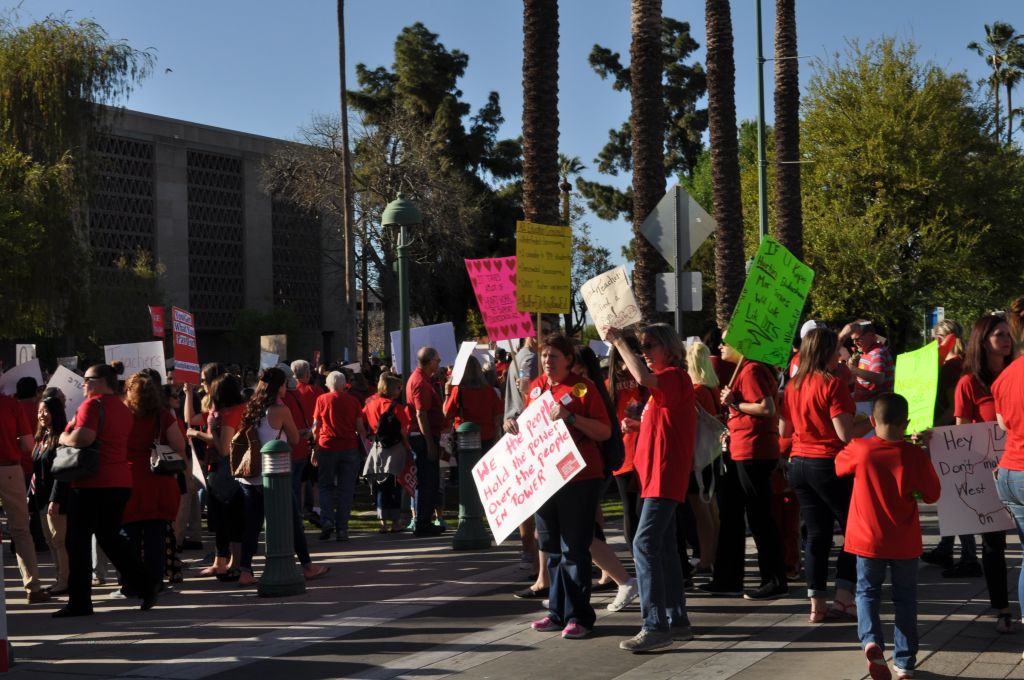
point(677, 226)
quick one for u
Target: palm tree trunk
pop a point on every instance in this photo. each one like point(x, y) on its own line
point(647, 121)
point(348, 226)
point(788, 209)
point(725, 165)
point(540, 111)
point(1009, 114)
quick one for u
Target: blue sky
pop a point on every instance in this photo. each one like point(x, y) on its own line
point(267, 67)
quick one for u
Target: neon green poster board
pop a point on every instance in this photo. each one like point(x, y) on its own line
point(766, 316)
point(917, 379)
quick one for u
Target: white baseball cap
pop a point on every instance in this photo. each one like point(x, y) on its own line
point(809, 326)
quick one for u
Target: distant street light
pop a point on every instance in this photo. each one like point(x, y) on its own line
point(404, 214)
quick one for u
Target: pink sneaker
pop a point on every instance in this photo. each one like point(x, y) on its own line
point(877, 668)
point(545, 625)
point(575, 631)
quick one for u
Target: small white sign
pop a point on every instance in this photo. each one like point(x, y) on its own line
point(268, 360)
point(30, 369)
point(459, 368)
point(70, 384)
point(439, 336)
point(25, 354)
point(137, 356)
point(610, 300)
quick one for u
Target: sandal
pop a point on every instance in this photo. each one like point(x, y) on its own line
point(817, 617)
point(246, 579)
point(315, 571)
point(1004, 624)
point(229, 576)
point(842, 612)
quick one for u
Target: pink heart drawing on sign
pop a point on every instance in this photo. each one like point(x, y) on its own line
point(486, 264)
point(472, 279)
point(510, 263)
point(512, 279)
point(527, 326)
point(473, 264)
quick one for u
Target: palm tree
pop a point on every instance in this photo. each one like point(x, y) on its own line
point(1013, 74)
point(788, 210)
point(540, 111)
point(647, 123)
point(725, 165)
point(1000, 39)
point(567, 167)
point(348, 222)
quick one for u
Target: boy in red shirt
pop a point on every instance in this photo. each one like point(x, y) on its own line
point(884, 530)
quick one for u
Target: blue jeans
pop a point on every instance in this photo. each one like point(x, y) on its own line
point(659, 573)
point(428, 473)
point(824, 499)
point(338, 473)
point(565, 530)
point(870, 576)
point(1010, 487)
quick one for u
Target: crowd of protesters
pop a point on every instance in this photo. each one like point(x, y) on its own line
point(806, 453)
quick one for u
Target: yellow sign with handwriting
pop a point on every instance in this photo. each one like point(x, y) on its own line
point(543, 258)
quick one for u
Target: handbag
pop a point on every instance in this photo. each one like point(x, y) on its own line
point(707, 449)
point(244, 458)
point(72, 463)
point(163, 459)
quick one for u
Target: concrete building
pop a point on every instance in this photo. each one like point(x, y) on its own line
point(191, 195)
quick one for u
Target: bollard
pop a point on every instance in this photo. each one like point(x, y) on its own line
point(281, 576)
point(471, 534)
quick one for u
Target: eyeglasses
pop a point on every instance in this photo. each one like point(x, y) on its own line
point(90, 378)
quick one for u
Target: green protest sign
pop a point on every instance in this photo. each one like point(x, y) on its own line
point(766, 316)
point(917, 379)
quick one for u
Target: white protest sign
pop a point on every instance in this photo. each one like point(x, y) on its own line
point(439, 336)
point(9, 380)
point(964, 457)
point(520, 473)
point(600, 348)
point(274, 344)
point(70, 363)
point(355, 368)
point(610, 300)
point(459, 368)
point(268, 359)
point(863, 412)
point(137, 356)
point(70, 384)
point(25, 354)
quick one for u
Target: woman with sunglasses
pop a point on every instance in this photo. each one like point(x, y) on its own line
point(662, 463)
point(565, 523)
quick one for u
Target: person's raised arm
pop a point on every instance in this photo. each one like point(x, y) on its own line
point(636, 366)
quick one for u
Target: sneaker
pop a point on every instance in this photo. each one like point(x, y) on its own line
point(626, 594)
point(768, 591)
point(963, 570)
point(712, 588)
point(545, 625)
point(117, 595)
point(877, 668)
point(412, 526)
point(904, 673)
point(1004, 623)
point(531, 594)
point(325, 534)
point(545, 604)
point(646, 641)
point(574, 631)
point(440, 524)
point(682, 633)
point(939, 559)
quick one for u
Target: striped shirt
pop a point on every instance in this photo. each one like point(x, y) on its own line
point(877, 360)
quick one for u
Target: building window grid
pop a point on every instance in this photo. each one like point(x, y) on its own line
point(121, 205)
point(296, 268)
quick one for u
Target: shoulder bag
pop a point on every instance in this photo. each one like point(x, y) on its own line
point(72, 463)
point(163, 459)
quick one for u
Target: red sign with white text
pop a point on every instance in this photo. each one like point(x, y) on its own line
point(186, 355)
point(156, 318)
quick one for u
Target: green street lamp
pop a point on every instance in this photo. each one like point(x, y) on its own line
point(404, 214)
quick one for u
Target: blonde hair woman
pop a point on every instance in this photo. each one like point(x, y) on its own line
point(706, 393)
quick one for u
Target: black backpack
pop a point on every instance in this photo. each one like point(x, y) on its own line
point(389, 428)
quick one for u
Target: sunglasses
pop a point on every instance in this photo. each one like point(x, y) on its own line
point(90, 378)
point(648, 346)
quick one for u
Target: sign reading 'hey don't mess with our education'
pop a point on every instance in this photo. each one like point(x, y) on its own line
point(521, 472)
point(543, 261)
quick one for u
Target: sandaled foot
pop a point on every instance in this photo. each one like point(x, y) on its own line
point(817, 617)
point(844, 613)
point(246, 579)
point(312, 571)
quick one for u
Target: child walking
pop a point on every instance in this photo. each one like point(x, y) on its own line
point(884, 530)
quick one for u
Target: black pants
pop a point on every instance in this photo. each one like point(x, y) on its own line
point(149, 540)
point(98, 512)
point(745, 493)
point(824, 500)
point(993, 564)
point(630, 505)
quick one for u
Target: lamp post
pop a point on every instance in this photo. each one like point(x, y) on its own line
point(402, 213)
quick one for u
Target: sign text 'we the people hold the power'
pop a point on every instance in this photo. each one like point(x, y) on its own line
point(521, 472)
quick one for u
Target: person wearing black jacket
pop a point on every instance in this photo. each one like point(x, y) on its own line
point(46, 495)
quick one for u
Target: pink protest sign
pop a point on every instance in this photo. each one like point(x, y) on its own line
point(521, 472)
point(494, 282)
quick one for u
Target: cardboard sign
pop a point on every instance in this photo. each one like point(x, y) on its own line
point(610, 300)
point(466, 350)
point(70, 363)
point(520, 473)
point(29, 369)
point(917, 379)
point(355, 368)
point(494, 284)
point(268, 360)
point(764, 322)
point(156, 320)
point(186, 354)
point(600, 348)
point(439, 336)
point(275, 344)
point(24, 354)
point(70, 384)
point(964, 457)
point(137, 356)
point(544, 260)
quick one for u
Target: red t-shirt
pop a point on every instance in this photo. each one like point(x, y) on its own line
point(301, 401)
point(337, 413)
point(708, 398)
point(13, 424)
point(585, 402)
point(479, 405)
point(810, 409)
point(751, 437)
point(153, 496)
point(668, 430)
point(973, 401)
point(627, 396)
point(723, 369)
point(420, 395)
point(883, 522)
point(376, 406)
point(1008, 391)
point(118, 422)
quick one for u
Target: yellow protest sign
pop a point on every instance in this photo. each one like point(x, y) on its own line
point(543, 261)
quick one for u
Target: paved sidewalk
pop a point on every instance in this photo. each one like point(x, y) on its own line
point(394, 606)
